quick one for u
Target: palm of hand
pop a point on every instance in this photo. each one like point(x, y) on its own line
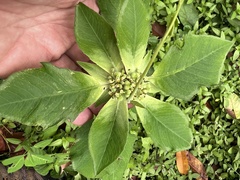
point(36, 31)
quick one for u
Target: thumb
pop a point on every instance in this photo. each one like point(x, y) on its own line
point(87, 114)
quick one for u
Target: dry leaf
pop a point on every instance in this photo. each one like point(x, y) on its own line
point(158, 30)
point(231, 113)
point(10, 148)
point(197, 166)
point(202, 178)
point(3, 146)
point(232, 106)
point(182, 162)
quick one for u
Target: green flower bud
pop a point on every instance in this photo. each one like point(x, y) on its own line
point(126, 87)
point(135, 75)
point(133, 85)
point(117, 95)
point(144, 91)
point(117, 85)
point(117, 74)
point(113, 89)
point(110, 93)
point(118, 80)
point(124, 76)
point(127, 83)
point(127, 93)
point(122, 91)
point(111, 81)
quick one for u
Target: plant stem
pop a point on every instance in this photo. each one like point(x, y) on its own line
point(157, 49)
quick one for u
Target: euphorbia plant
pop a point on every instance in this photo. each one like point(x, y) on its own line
point(116, 42)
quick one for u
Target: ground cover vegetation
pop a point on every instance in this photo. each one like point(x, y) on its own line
point(205, 120)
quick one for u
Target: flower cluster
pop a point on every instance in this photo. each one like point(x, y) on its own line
point(122, 84)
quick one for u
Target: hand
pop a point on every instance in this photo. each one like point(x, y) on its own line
point(35, 31)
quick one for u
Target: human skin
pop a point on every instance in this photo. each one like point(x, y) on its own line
point(34, 31)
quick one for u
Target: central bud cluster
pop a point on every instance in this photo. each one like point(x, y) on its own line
point(122, 84)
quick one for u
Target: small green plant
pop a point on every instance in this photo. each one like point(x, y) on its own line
point(122, 73)
point(46, 151)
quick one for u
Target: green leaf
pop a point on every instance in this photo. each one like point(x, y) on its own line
point(16, 161)
point(234, 22)
point(43, 169)
point(13, 140)
point(188, 14)
point(43, 144)
point(62, 158)
point(57, 142)
point(33, 159)
point(46, 96)
point(95, 71)
point(82, 161)
point(110, 10)
point(108, 134)
point(115, 170)
point(147, 145)
point(198, 63)
point(51, 131)
point(96, 38)
point(166, 124)
point(132, 32)
point(80, 155)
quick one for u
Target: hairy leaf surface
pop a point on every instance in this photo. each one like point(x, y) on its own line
point(47, 95)
point(108, 134)
point(96, 38)
point(132, 31)
point(198, 63)
point(165, 123)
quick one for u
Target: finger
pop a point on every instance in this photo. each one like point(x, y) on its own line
point(65, 62)
point(87, 114)
point(76, 54)
point(95, 109)
point(91, 3)
point(83, 117)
